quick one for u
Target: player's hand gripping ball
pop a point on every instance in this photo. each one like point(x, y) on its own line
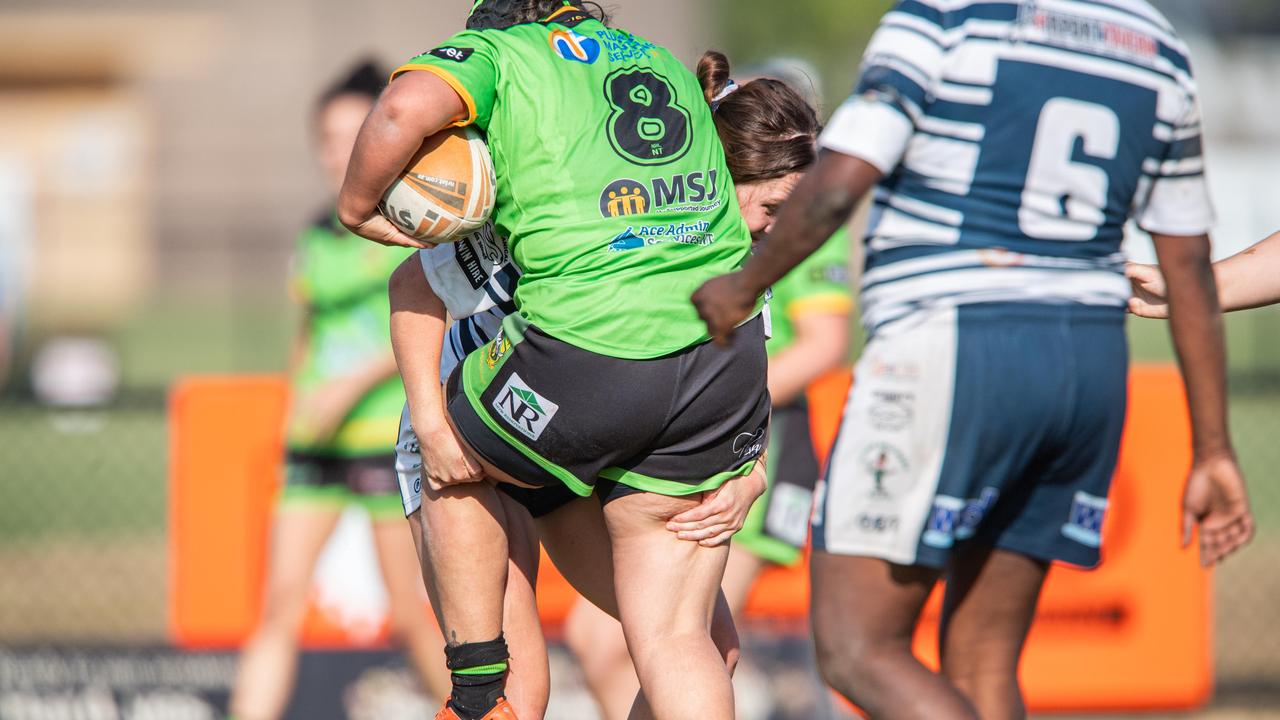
point(447, 190)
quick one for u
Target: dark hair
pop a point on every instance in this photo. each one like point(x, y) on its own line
point(502, 14)
point(767, 129)
point(365, 79)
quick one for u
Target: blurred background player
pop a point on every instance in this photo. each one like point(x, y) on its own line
point(346, 405)
point(1249, 279)
point(1010, 142)
point(809, 311)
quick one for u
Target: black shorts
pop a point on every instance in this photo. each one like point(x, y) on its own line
point(370, 482)
point(551, 414)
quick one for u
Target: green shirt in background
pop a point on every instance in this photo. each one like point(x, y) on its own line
point(612, 184)
point(341, 279)
point(820, 284)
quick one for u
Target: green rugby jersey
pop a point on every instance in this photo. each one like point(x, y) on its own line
point(612, 184)
point(819, 284)
point(342, 281)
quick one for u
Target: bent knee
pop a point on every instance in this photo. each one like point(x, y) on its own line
point(851, 665)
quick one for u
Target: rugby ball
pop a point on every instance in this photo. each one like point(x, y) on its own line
point(447, 190)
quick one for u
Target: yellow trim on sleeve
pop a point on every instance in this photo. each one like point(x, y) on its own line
point(828, 303)
point(558, 13)
point(453, 82)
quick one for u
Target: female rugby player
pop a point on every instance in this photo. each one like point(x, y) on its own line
point(770, 136)
point(604, 382)
point(346, 401)
point(1249, 279)
point(769, 132)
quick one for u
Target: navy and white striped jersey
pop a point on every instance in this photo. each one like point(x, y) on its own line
point(1017, 138)
point(476, 280)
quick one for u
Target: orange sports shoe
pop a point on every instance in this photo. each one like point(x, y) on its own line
point(501, 711)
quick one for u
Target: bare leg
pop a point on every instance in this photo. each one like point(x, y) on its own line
point(989, 606)
point(596, 639)
point(739, 577)
point(410, 624)
point(269, 662)
point(464, 549)
point(667, 590)
point(529, 681)
point(864, 615)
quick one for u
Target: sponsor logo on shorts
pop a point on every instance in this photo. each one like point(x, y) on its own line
point(892, 411)
point(523, 409)
point(974, 511)
point(955, 519)
point(903, 372)
point(940, 529)
point(574, 46)
point(686, 192)
point(749, 445)
point(888, 468)
point(417, 485)
point(878, 524)
point(455, 54)
point(1084, 524)
point(497, 349)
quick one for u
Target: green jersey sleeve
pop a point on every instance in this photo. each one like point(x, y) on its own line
point(819, 285)
point(469, 63)
point(821, 282)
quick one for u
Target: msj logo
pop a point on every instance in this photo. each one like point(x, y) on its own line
point(523, 409)
point(686, 192)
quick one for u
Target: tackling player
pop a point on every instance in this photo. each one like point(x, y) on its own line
point(1249, 279)
point(1008, 143)
point(770, 135)
point(346, 402)
point(614, 192)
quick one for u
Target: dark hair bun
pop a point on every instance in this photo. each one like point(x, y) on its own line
point(365, 79)
point(713, 73)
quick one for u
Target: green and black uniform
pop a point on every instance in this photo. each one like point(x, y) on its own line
point(778, 525)
point(341, 280)
point(613, 190)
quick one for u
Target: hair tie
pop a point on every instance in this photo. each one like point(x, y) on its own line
point(728, 90)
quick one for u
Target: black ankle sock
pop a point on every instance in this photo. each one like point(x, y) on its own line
point(479, 676)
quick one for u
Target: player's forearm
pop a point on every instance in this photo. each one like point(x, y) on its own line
point(1196, 323)
point(417, 331)
point(820, 205)
point(372, 374)
point(411, 109)
point(1251, 278)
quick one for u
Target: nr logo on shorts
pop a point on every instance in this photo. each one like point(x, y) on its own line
point(523, 409)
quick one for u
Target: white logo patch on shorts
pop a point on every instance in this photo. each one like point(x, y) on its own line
point(524, 409)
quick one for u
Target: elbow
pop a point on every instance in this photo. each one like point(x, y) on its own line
point(347, 214)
